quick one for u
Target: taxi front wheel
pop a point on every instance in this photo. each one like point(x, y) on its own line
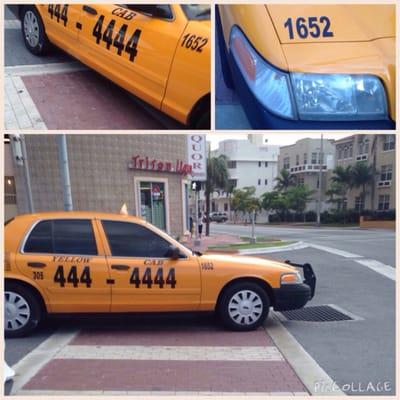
point(33, 31)
point(243, 306)
point(22, 312)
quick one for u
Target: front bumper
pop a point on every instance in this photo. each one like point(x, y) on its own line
point(292, 297)
point(261, 118)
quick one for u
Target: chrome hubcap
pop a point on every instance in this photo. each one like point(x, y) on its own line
point(16, 310)
point(31, 29)
point(245, 307)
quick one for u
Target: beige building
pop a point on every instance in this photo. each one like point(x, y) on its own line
point(147, 172)
point(301, 159)
point(378, 151)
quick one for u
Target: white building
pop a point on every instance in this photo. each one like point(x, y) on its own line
point(252, 162)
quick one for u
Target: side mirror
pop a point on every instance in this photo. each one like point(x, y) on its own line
point(173, 253)
point(153, 9)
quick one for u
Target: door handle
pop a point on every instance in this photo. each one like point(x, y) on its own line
point(120, 267)
point(89, 10)
point(36, 264)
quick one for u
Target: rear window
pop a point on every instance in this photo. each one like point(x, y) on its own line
point(62, 236)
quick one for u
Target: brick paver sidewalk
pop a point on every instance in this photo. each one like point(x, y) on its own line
point(161, 359)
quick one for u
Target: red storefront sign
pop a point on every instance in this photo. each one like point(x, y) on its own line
point(152, 164)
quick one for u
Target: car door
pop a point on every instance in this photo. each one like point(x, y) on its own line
point(132, 48)
point(61, 23)
point(62, 257)
point(145, 279)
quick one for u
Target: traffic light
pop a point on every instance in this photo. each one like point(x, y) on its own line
point(196, 186)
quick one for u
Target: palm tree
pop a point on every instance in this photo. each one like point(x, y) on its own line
point(361, 177)
point(283, 181)
point(342, 179)
point(217, 178)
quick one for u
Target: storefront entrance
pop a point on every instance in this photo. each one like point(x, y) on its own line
point(152, 203)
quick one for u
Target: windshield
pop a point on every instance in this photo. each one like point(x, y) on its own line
point(197, 11)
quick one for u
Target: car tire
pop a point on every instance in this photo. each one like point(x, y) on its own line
point(203, 122)
point(22, 311)
point(33, 32)
point(243, 306)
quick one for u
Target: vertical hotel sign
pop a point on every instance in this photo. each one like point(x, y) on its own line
point(197, 157)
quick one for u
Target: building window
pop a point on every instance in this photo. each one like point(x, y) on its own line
point(10, 194)
point(233, 182)
point(259, 182)
point(265, 182)
point(225, 207)
point(359, 204)
point(152, 203)
point(389, 142)
point(286, 163)
point(313, 158)
point(305, 158)
point(265, 164)
point(363, 147)
point(300, 180)
point(384, 202)
point(342, 204)
point(386, 173)
point(340, 153)
point(351, 150)
point(259, 163)
point(320, 158)
point(297, 159)
point(231, 164)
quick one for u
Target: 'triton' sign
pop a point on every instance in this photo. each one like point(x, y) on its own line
point(197, 157)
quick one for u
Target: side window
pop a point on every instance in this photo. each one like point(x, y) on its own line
point(39, 240)
point(74, 237)
point(133, 240)
point(62, 236)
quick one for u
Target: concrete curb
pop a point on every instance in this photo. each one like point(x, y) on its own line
point(264, 250)
point(314, 378)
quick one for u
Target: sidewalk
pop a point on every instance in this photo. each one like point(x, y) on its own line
point(212, 240)
point(175, 357)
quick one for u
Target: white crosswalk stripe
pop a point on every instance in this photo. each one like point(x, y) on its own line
point(176, 353)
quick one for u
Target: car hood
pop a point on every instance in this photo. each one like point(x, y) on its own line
point(349, 23)
point(245, 261)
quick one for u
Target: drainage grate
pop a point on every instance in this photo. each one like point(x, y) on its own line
point(325, 313)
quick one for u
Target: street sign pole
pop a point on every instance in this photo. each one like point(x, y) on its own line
point(27, 174)
point(64, 170)
point(320, 182)
point(253, 238)
point(196, 237)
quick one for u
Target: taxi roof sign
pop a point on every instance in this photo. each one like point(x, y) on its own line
point(124, 210)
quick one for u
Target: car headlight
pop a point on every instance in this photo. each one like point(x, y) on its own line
point(269, 85)
point(339, 97)
point(291, 278)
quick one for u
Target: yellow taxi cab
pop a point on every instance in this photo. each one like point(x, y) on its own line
point(91, 262)
point(159, 53)
point(311, 66)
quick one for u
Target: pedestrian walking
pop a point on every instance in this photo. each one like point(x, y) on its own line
point(200, 227)
point(191, 226)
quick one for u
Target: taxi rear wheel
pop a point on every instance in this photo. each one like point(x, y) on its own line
point(33, 31)
point(243, 306)
point(22, 311)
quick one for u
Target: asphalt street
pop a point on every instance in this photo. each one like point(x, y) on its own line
point(374, 244)
point(354, 353)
